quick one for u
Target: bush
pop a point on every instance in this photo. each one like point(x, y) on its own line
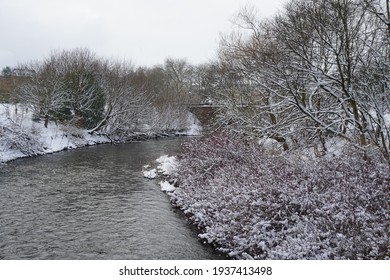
point(253, 205)
point(20, 140)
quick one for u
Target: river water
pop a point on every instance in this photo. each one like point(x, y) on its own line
point(93, 203)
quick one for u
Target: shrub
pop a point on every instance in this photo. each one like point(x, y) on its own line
point(253, 205)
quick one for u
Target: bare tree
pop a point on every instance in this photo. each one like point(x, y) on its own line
point(253, 94)
point(331, 55)
point(126, 104)
point(81, 73)
point(44, 92)
point(318, 69)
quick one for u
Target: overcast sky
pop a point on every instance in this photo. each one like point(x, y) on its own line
point(142, 31)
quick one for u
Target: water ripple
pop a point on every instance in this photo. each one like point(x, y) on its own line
point(92, 204)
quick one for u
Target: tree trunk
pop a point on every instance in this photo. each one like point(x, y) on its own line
point(46, 120)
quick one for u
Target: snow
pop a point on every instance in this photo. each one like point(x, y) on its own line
point(166, 167)
point(166, 186)
point(167, 164)
point(336, 146)
point(387, 119)
point(195, 128)
point(150, 174)
point(21, 136)
point(269, 144)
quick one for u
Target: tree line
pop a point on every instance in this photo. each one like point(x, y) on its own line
point(316, 71)
point(81, 89)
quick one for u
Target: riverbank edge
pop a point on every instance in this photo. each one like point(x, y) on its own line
point(333, 177)
point(103, 140)
point(200, 230)
point(22, 136)
point(164, 174)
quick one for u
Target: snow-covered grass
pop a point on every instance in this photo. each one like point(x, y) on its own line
point(251, 204)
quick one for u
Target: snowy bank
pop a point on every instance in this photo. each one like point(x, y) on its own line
point(22, 136)
point(249, 204)
point(167, 165)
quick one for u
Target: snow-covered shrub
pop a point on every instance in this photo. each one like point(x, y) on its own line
point(19, 140)
point(250, 204)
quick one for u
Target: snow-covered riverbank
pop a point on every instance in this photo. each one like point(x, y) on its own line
point(21, 136)
point(250, 204)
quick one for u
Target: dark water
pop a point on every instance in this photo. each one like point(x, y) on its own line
point(92, 203)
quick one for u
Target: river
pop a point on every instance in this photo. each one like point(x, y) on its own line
point(93, 203)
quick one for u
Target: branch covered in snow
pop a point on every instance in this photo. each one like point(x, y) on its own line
point(250, 203)
point(316, 71)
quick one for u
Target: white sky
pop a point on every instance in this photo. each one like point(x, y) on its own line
point(142, 31)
